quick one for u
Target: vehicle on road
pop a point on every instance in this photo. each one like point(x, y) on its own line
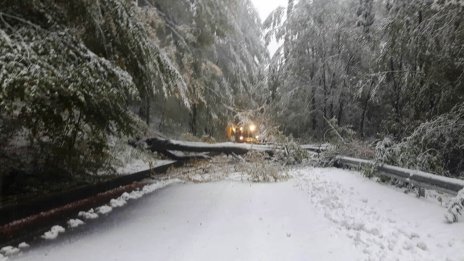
point(242, 133)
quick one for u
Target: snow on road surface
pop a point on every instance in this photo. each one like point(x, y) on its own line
point(320, 214)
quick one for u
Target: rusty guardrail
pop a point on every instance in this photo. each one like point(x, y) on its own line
point(23, 220)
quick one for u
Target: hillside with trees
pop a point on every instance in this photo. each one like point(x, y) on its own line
point(74, 74)
point(231, 129)
point(375, 70)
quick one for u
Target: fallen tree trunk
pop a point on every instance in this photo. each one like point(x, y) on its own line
point(164, 145)
point(196, 150)
point(180, 156)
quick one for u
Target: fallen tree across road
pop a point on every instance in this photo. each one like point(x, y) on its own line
point(159, 144)
point(169, 147)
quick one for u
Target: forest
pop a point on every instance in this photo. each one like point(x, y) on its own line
point(381, 79)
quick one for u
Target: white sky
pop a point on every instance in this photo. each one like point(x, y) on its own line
point(264, 8)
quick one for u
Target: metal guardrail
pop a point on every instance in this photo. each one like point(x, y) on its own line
point(418, 178)
point(20, 210)
point(52, 209)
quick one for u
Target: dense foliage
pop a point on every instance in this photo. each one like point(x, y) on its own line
point(73, 73)
point(218, 49)
point(58, 99)
point(380, 68)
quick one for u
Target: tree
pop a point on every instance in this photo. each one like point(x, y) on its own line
point(218, 50)
point(422, 53)
point(316, 69)
point(61, 97)
point(70, 72)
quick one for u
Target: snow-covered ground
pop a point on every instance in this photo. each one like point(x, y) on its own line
point(137, 165)
point(319, 214)
point(383, 222)
point(128, 159)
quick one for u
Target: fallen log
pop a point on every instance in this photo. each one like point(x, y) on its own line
point(174, 149)
point(166, 147)
point(180, 156)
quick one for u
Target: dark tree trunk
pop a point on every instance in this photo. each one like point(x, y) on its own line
point(144, 111)
point(340, 112)
point(324, 86)
point(193, 122)
point(365, 108)
point(313, 110)
point(363, 117)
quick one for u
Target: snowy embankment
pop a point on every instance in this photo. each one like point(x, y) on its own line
point(140, 165)
point(383, 222)
point(319, 214)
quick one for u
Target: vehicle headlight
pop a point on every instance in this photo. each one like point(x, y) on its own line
point(252, 127)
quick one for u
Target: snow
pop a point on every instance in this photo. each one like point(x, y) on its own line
point(88, 214)
point(411, 173)
point(321, 147)
point(222, 145)
point(23, 245)
point(137, 165)
point(319, 214)
point(73, 223)
point(387, 226)
point(104, 209)
point(53, 232)
point(133, 166)
point(8, 251)
point(247, 146)
point(209, 221)
point(455, 208)
point(119, 202)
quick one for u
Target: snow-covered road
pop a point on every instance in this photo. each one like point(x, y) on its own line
point(320, 214)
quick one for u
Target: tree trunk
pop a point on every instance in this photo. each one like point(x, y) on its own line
point(288, 33)
point(313, 109)
point(364, 110)
point(144, 111)
point(324, 86)
point(340, 112)
point(193, 122)
point(363, 117)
